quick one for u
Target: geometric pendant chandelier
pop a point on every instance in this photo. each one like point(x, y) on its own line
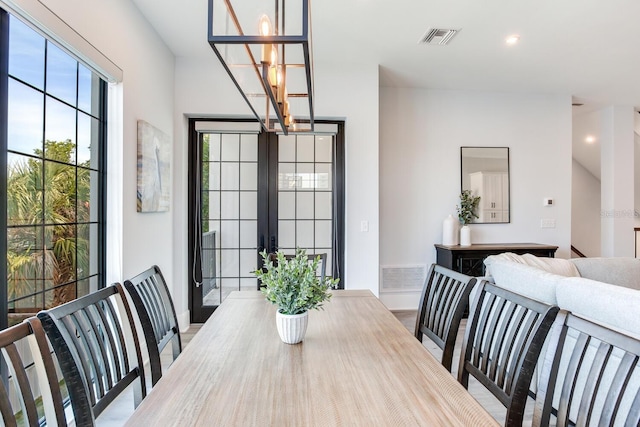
point(265, 47)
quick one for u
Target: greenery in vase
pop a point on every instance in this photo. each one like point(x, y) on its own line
point(467, 207)
point(292, 284)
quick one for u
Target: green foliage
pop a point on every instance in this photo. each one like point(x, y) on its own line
point(467, 207)
point(57, 195)
point(292, 284)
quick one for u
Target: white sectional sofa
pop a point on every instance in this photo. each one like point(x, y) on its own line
point(604, 290)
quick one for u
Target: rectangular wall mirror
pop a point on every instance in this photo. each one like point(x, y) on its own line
point(485, 171)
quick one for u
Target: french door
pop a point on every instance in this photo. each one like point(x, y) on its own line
point(252, 191)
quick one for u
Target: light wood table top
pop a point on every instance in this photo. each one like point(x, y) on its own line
point(358, 366)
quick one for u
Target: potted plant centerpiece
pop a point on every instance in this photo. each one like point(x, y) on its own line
point(467, 213)
point(292, 285)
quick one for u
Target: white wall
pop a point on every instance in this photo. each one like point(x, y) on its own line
point(585, 211)
point(121, 33)
point(617, 183)
point(421, 132)
point(344, 91)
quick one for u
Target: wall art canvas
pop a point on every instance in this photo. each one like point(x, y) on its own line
point(154, 158)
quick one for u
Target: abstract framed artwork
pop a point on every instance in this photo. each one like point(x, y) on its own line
point(154, 169)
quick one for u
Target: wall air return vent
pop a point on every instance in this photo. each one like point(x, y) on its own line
point(438, 36)
point(406, 278)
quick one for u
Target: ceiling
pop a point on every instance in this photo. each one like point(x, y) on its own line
point(585, 48)
point(588, 49)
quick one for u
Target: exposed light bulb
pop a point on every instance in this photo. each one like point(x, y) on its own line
point(590, 139)
point(265, 30)
point(265, 26)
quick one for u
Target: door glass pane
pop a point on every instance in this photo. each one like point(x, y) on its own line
point(305, 196)
point(249, 176)
point(305, 235)
point(324, 149)
point(248, 234)
point(287, 148)
point(286, 205)
point(230, 176)
point(248, 205)
point(286, 234)
point(230, 148)
point(323, 205)
point(249, 148)
point(304, 205)
point(305, 148)
point(323, 234)
point(229, 209)
point(229, 204)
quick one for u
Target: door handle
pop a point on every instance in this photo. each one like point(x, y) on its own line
point(273, 248)
point(261, 246)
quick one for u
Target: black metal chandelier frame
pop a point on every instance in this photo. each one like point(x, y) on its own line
point(261, 68)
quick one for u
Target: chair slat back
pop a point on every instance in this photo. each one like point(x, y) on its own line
point(445, 295)
point(151, 298)
point(97, 347)
point(590, 376)
point(18, 358)
point(502, 343)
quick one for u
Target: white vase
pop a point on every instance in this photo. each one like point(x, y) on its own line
point(292, 327)
point(465, 235)
point(450, 231)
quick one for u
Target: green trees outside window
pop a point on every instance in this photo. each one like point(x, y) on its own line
point(54, 172)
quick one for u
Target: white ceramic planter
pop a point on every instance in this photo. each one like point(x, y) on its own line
point(292, 327)
point(465, 235)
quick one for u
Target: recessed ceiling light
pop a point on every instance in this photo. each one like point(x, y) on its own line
point(512, 39)
point(590, 139)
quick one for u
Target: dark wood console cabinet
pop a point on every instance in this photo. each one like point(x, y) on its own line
point(469, 260)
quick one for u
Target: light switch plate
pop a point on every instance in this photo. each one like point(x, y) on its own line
point(548, 223)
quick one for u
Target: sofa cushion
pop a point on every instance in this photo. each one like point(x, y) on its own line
point(621, 271)
point(526, 280)
point(559, 266)
point(613, 306)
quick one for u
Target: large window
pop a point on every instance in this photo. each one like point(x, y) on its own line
point(54, 154)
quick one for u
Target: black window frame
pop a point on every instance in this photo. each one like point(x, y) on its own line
point(101, 207)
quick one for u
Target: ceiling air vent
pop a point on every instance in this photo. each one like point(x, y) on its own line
point(439, 36)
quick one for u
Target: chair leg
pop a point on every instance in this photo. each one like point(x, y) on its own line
point(137, 389)
point(175, 345)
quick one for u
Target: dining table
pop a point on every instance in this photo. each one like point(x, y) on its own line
point(358, 365)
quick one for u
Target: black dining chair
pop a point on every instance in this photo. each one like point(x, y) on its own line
point(151, 298)
point(590, 376)
point(30, 368)
point(96, 344)
point(503, 339)
point(445, 295)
